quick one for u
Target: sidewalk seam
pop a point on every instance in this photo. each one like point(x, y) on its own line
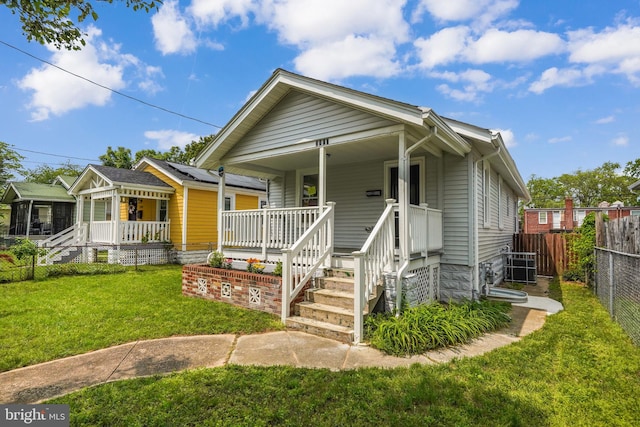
point(232, 348)
point(122, 360)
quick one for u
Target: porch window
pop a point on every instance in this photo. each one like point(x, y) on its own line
point(107, 210)
point(310, 190)
point(229, 203)
point(162, 210)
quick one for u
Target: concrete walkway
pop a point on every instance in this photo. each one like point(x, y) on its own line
point(44, 381)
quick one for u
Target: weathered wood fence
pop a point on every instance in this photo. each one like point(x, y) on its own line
point(552, 251)
point(622, 235)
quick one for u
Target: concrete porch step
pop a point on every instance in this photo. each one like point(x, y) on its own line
point(331, 297)
point(326, 313)
point(343, 284)
point(321, 329)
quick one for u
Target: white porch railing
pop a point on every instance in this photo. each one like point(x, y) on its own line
point(130, 231)
point(425, 229)
point(266, 228)
point(312, 250)
point(376, 257)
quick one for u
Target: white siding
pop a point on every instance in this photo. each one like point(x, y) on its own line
point(300, 116)
point(433, 185)
point(456, 210)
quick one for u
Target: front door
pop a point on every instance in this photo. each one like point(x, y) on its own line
point(414, 191)
point(557, 218)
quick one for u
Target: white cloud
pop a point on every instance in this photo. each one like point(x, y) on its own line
point(474, 83)
point(349, 57)
point(443, 47)
point(557, 140)
point(483, 11)
point(515, 46)
point(605, 120)
point(621, 140)
point(171, 30)
point(56, 92)
point(214, 12)
point(170, 138)
point(508, 137)
point(558, 77)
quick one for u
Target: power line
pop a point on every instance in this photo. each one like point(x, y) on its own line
point(148, 104)
point(54, 155)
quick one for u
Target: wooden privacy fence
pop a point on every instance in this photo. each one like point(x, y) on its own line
point(622, 235)
point(552, 251)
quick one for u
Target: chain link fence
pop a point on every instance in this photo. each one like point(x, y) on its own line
point(82, 259)
point(617, 285)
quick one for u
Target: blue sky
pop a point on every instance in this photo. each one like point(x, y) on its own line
point(559, 79)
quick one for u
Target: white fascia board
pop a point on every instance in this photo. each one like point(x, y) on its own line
point(83, 177)
point(451, 136)
point(160, 169)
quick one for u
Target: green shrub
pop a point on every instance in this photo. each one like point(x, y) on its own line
point(434, 325)
point(216, 259)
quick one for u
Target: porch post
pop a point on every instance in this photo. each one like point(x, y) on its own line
point(221, 189)
point(115, 216)
point(29, 217)
point(92, 211)
point(79, 210)
point(322, 178)
point(403, 197)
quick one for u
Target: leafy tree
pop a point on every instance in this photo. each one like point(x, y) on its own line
point(45, 174)
point(192, 150)
point(118, 158)
point(632, 169)
point(9, 163)
point(545, 192)
point(51, 21)
point(582, 246)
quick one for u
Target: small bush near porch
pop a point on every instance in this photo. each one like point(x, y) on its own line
point(54, 318)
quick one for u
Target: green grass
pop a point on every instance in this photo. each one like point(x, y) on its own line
point(580, 369)
point(54, 318)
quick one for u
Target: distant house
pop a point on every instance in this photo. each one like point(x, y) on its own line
point(40, 209)
point(554, 220)
point(157, 202)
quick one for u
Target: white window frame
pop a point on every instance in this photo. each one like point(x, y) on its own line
point(486, 193)
point(420, 161)
point(159, 209)
point(232, 202)
point(546, 217)
point(300, 174)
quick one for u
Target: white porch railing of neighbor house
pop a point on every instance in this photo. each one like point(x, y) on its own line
point(130, 231)
point(266, 228)
point(311, 251)
point(376, 257)
point(425, 229)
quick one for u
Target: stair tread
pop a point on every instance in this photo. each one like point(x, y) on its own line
point(333, 292)
point(325, 307)
point(320, 324)
point(338, 279)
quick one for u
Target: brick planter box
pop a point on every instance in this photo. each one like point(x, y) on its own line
point(250, 290)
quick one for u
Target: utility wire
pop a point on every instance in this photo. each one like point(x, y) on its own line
point(108, 88)
point(54, 155)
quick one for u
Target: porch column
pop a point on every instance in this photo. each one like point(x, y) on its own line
point(403, 197)
point(79, 210)
point(115, 217)
point(221, 190)
point(29, 217)
point(92, 211)
point(322, 178)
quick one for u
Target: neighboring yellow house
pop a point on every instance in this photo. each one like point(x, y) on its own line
point(193, 206)
point(157, 202)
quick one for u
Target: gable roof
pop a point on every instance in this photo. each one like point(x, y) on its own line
point(119, 177)
point(635, 186)
point(21, 191)
point(185, 174)
point(282, 82)
point(66, 180)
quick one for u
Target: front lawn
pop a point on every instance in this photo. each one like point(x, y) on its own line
point(579, 369)
point(54, 318)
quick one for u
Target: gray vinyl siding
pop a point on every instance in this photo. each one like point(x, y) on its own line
point(301, 116)
point(456, 210)
point(290, 190)
point(276, 192)
point(347, 186)
point(433, 184)
point(492, 239)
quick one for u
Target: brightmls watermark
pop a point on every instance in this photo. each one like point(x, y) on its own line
point(34, 415)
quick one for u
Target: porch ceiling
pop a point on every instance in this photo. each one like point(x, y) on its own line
point(379, 148)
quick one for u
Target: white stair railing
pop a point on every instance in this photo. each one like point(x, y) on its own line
point(311, 251)
point(376, 257)
point(62, 243)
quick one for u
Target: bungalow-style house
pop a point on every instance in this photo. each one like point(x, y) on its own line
point(393, 192)
point(39, 210)
point(558, 220)
point(156, 203)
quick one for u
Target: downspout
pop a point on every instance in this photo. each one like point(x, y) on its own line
point(404, 209)
point(476, 232)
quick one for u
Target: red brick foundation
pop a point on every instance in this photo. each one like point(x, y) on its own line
point(250, 290)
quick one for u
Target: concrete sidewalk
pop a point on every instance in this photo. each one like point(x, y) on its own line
point(44, 381)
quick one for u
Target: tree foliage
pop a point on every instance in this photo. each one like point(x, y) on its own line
point(586, 187)
point(10, 163)
point(121, 156)
point(46, 174)
point(118, 158)
point(56, 21)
